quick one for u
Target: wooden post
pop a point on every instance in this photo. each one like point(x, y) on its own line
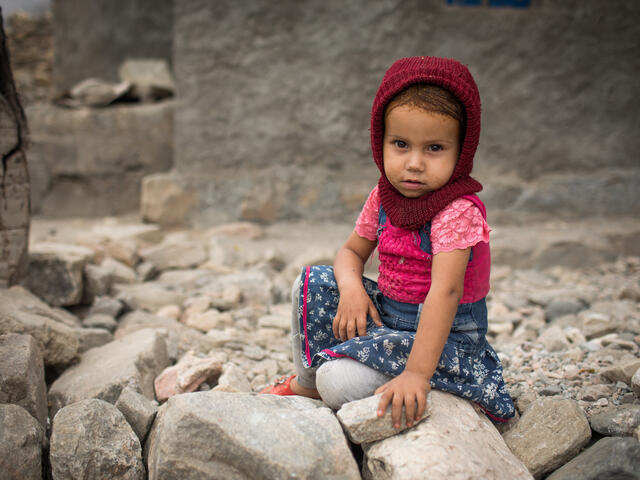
point(14, 176)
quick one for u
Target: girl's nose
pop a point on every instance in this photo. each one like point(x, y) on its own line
point(414, 162)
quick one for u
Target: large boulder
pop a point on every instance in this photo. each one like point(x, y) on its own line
point(21, 438)
point(455, 441)
point(550, 433)
point(103, 372)
point(209, 435)
point(23, 312)
point(22, 375)
point(56, 272)
point(92, 439)
point(609, 458)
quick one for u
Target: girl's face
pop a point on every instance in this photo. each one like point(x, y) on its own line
point(420, 149)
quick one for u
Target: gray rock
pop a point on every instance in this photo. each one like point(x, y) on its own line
point(233, 379)
point(98, 281)
point(23, 312)
point(361, 423)
point(21, 441)
point(180, 338)
point(138, 410)
point(150, 296)
point(22, 375)
point(93, 337)
point(212, 434)
point(635, 383)
point(609, 458)
point(56, 272)
point(550, 433)
point(622, 372)
point(562, 306)
point(106, 305)
point(133, 361)
point(178, 254)
point(92, 439)
point(618, 421)
point(165, 201)
point(554, 339)
point(455, 441)
point(100, 320)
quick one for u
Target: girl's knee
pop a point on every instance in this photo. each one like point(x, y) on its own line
point(345, 380)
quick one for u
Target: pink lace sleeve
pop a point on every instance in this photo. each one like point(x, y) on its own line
point(459, 225)
point(367, 223)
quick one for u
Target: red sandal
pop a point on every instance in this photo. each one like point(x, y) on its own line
point(282, 386)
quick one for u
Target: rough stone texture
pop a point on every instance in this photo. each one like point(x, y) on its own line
point(635, 382)
point(233, 379)
point(310, 71)
point(92, 439)
point(178, 253)
point(23, 312)
point(138, 410)
point(622, 372)
point(362, 424)
point(550, 432)
point(14, 176)
point(150, 296)
point(180, 338)
point(609, 458)
point(78, 37)
point(133, 361)
point(207, 435)
point(619, 420)
point(56, 272)
point(188, 374)
point(22, 375)
point(454, 442)
point(21, 439)
point(99, 176)
point(93, 337)
point(165, 201)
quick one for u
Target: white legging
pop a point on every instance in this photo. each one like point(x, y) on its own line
point(338, 381)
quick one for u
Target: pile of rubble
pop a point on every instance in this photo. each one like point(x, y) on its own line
point(132, 352)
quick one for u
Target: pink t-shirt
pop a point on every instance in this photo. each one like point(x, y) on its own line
point(459, 225)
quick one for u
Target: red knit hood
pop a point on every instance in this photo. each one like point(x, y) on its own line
point(413, 213)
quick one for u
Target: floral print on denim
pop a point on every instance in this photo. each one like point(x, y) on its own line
point(468, 366)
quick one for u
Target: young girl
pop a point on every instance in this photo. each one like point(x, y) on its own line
point(423, 324)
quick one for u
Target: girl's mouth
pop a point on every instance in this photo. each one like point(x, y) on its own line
point(412, 184)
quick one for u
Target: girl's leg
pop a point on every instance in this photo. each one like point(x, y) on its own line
point(345, 380)
point(305, 381)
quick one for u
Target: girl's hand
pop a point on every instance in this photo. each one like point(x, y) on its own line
point(409, 389)
point(351, 316)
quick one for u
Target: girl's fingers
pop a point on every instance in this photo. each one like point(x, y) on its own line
point(409, 410)
point(351, 329)
point(375, 316)
point(384, 399)
point(362, 325)
point(336, 326)
point(396, 410)
point(422, 405)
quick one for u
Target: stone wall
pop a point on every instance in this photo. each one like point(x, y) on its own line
point(14, 176)
point(275, 97)
point(92, 38)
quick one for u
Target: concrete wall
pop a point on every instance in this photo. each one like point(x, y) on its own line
point(274, 101)
point(93, 37)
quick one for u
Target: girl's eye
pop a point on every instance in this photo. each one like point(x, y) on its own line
point(435, 148)
point(400, 144)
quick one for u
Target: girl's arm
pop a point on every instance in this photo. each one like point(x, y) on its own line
point(354, 304)
point(410, 388)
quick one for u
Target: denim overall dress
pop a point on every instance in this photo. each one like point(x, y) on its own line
point(468, 366)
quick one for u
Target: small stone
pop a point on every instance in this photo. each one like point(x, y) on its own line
point(106, 305)
point(254, 352)
point(635, 383)
point(146, 271)
point(100, 320)
point(562, 306)
point(169, 311)
point(550, 433)
point(212, 318)
point(233, 379)
point(619, 420)
point(601, 402)
point(550, 390)
point(93, 337)
point(138, 410)
point(21, 442)
point(275, 321)
point(591, 393)
point(188, 374)
point(553, 339)
point(362, 424)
